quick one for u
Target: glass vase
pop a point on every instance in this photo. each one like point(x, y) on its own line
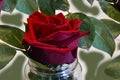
point(37, 71)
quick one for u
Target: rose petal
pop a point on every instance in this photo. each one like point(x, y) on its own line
point(48, 37)
point(31, 32)
point(63, 38)
point(41, 29)
point(57, 19)
point(39, 17)
point(51, 57)
point(64, 27)
point(26, 38)
point(75, 23)
point(45, 46)
point(73, 40)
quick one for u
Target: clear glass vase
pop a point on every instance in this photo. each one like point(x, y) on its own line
point(37, 71)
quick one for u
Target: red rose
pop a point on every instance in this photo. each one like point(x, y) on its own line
point(52, 39)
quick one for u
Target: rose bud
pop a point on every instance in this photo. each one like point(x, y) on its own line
point(52, 39)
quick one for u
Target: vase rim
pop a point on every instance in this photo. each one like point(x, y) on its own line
point(65, 69)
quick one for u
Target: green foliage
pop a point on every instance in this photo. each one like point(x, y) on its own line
point(49, 6)
point(9, 5)
point(33, 76)
point(46, 7)
point(100, 37)
point(113, 69)
point(110, 10)
point(6, 54)
point(45, 67)
point(90, 1)
point(11, 35)
point(61, 5)
point(111, 1)
point(103, 39)
point(86, 41)
point(27, 6)
point(112, 26)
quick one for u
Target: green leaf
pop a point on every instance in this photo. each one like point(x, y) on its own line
point(27, 6)
point(61, 5)
point(9, 5)
point(46, 7)
point(113, 68)
point(110, 10)
point(90, 1)
point(103, 39)
point(111, 1)
point(34, 76)
point(86, 41)
point(11, 35)
point(39, 64)
point(6, 54)
point(112, 26)
point(99, 36)
point(79, 16)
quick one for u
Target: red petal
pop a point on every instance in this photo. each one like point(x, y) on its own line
point(49, 47)
point(51, 57)
point(57, 19)
point(41, 30)
point(39, 17)
point(75, 24)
